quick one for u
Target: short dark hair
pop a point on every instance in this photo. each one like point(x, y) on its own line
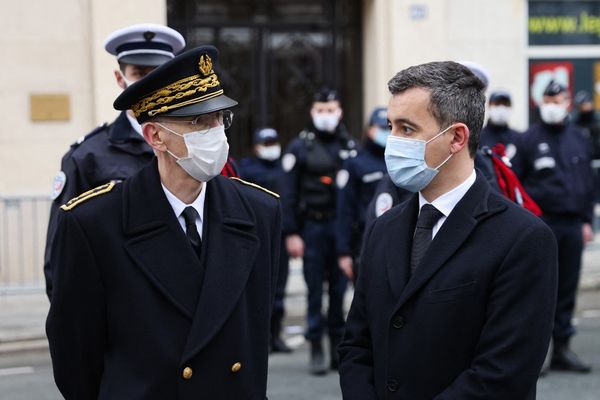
point(457, 95)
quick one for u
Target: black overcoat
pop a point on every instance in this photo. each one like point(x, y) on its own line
point(473, 322)
point(129, 318)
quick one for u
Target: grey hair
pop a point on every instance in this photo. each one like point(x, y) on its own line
point(457, 95)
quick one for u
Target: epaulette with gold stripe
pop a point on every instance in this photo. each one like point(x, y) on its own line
point(254, 185)
point(71, 204)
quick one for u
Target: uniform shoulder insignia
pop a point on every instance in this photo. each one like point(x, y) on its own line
point(254, 185)
point(96, 130)
point(71, 204)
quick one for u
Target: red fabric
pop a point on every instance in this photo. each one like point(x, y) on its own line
point(229, 170)
point(509, 183)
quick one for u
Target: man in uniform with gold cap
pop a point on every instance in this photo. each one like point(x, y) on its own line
point(164, 283)
point(117, 150)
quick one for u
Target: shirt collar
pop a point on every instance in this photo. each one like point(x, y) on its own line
point(446, 202)
point(134, 124)
point(178, 205)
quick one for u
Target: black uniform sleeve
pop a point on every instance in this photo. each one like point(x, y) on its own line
point(347, 210)
point(75, 325)
point(290, 187)
point(75, 184)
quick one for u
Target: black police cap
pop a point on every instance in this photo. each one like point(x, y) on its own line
point(554, 88)
point(185, 86)
point(500, 95)
point(326, 94)
point(582, 97)
point(265, 135)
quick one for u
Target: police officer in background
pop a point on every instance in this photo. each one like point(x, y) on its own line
point(553, 163)
point(311, 164)
point(497, 129)
point(356, 183)
point(265, 169)
point(113, 151)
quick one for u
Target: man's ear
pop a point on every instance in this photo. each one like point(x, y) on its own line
point(152, 135)
point(120, 80)
point(460, 140)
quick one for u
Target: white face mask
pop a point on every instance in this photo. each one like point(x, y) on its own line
point(553, 113)
point(207, 152)
point(499, 115)
point(269, 153)
point(326, 122)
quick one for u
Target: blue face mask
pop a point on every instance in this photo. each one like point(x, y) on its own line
point(381, 136)
point(405, 162)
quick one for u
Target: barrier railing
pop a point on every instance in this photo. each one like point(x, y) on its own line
point(23, 224)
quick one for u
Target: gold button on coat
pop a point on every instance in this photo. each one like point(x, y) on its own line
point(236, 367)
point(187, 373)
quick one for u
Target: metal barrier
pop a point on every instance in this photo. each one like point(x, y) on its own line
point(23, 225)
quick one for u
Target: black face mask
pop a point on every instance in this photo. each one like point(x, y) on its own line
point(586, 116)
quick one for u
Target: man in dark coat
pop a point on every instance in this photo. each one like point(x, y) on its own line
point(455, 295)
point(163, 284)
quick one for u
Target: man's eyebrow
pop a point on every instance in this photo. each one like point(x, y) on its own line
point(407, 121)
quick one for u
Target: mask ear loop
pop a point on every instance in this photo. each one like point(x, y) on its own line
point(175, 133)
point(435, 137)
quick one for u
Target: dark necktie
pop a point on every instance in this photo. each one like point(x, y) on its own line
point(428, 217)
point(189, 215)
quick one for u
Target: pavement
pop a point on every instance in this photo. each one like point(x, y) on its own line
point(22, 316)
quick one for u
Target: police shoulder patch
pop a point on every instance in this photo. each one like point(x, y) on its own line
point(383, 203)
point(71, 204)
point(254, 185)
point(58, 185)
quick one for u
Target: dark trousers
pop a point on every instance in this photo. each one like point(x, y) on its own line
point(320, 264)
point(278, 306)
point(570, 247)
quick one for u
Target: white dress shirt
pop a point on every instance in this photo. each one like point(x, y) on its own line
point(178, 207)
point(446, 202)
point(134, 124)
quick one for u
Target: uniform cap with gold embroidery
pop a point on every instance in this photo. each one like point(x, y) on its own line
point(188, 85)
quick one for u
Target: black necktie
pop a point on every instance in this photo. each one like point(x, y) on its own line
point(189, 215)
point(428, 217)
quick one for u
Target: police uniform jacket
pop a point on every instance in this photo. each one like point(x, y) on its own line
point(553, 164)
point(110, 152)
point(357, 182)
point(129, 317)
point(492, 134)
point(265, 173)
point(311, 163)
point(474, 320)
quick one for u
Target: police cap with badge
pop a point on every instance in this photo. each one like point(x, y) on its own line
point(185, 86)
point(554, 89)
point(144, 44)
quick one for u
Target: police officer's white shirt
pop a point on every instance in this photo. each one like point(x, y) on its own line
point(134, 124)
point(446, 202)
point(178, 207)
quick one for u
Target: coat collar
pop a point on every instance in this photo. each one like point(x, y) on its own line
point(124, 137)
point(161, 250)
point(476, 205)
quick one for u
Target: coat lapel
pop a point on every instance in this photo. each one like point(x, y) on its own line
point(156, 243)
point(465, 216)
point(402, 230)
point(229, 249)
